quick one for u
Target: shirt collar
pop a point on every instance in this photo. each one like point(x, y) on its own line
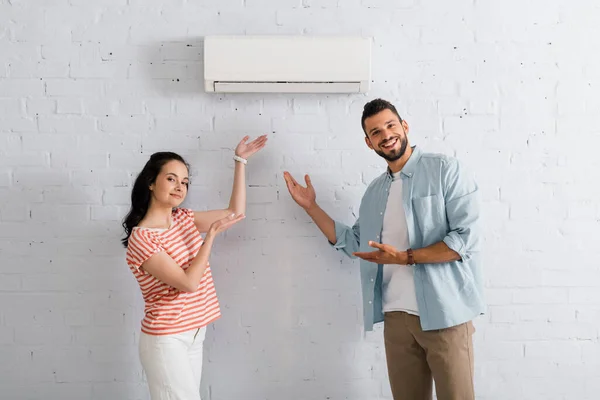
point(411, 165)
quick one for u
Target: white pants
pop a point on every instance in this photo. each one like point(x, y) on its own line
point(173, 364)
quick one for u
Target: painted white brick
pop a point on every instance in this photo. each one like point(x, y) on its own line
point(125, 124)
point(540, 296)
point(584, 296)
point(78, 160)
point(12, 107)
point(111, 390)
point(107, 142)
point(267, 3)
point(21, 87)
point(301, 124)
point(101, 177)
point(104, 107)
point(96, 335)
point(128, 160)
point(10, 51)
point(117, 196)
point(39, 69)
point(78, 317)
point(552, 350)
point(181, 52)
point(69, 106)
point(44, 336)
point(20, 125)
point(14, 212)
point(71, 52)
point(160, 142)
point(10, 282)
point(75, 195)
point(7, 335)
point(187, 124)
point(162, 107)
point(131, 106)
point(247, 123)
point(73, 87)
point(108, 213)
point(104, 317)
point(5, 177)
point(18, 195)
point(386, 5)
point(56, 213)
point(39, 177)
point(41, 106)
point(176, 71)
point(48, 142)
point(107, 3)
point(262, 195)
point(67, 124)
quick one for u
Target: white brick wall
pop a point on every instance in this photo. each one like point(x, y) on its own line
point(89, 89)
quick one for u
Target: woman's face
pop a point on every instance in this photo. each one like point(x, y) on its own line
point(171, 185)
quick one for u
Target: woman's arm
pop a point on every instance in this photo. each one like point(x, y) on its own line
point(237, 202)
point(166, 270)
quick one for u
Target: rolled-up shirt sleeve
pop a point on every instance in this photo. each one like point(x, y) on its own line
point(462, 210)
point(347, 238)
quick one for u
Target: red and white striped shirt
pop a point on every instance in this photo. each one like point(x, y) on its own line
point(168, 310)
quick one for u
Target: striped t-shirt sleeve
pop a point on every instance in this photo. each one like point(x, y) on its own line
point(188, 213)
point(142, 245)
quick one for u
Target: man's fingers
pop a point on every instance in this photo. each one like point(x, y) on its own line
point(383, 247)
point(290, 186)
point(287, 177)
point(366, 255)
point(308, 181)
point(376, 245)
point(291, 178)
point(289, 181)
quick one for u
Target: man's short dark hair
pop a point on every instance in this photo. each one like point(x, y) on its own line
point(375, 107)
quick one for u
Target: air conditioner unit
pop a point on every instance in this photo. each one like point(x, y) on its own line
point(287, 64)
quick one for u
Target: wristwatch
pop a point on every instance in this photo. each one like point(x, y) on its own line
point(411, 257)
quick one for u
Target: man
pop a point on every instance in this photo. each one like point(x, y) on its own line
point(418, 239)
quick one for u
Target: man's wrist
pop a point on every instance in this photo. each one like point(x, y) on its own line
point(402, 257)
point(311, 208)
point(410, 257)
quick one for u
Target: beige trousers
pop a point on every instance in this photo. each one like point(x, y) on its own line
point(416, 358)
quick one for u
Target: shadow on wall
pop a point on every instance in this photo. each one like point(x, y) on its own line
point(173, 69)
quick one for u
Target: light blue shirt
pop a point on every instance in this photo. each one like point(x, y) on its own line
point(441, 204)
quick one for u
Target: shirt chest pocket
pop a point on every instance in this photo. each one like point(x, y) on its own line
point(430, 214)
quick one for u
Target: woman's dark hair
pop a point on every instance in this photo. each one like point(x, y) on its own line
point(375, 107)
point(140, 195)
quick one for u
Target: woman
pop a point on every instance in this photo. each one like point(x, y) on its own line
point(169, 259)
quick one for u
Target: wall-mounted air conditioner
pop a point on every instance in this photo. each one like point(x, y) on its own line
point(287, 64)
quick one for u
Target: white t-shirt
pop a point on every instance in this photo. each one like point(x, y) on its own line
point(398, 280)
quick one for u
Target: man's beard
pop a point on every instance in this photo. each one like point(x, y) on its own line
point(395, 156)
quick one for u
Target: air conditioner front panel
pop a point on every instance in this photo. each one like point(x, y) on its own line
point(295, 59)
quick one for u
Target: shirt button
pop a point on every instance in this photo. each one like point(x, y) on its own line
point(377, 236)
point(381, 213)
point(371, 280)
point(370, 302)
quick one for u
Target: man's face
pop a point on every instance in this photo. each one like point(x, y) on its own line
point(386, 135)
